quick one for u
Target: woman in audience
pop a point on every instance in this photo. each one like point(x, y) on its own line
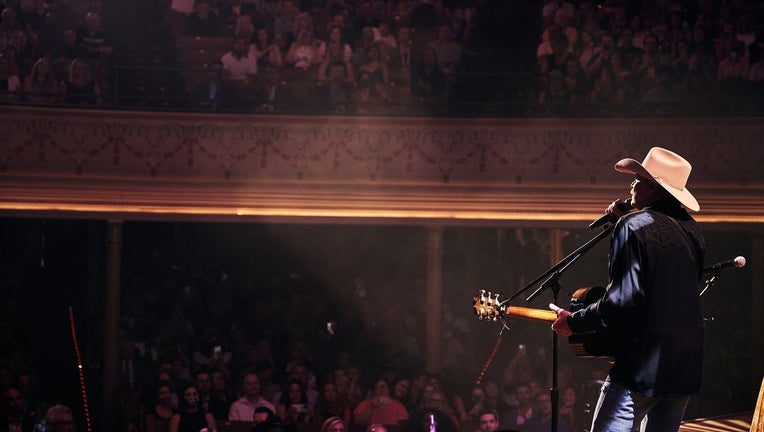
point(379, 407)
point(40, 86)
point(245, 28)
point(265, 50)
point(427, 79)
point(335, 36)
point(331, 404)
point(334, 424)
point(303, 53)
point(376, 68)
point(158, 420)
point(334, 55)
point(191, 417)
point(9, 81)
point(80, 88)
point(570, 409)
point(293, 406)
point(401, 392)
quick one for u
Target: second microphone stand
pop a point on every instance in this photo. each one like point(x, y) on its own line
point(552, 282)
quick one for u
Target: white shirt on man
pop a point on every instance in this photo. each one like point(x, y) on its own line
point(244, 410)
point(239, 68)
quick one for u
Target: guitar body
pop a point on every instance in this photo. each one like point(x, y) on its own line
point(596, 344)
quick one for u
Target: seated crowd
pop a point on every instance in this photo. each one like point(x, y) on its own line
point(226, 348)
point(657, 58)
point(618, 56)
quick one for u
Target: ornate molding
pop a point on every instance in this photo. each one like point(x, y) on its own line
point(230, 167)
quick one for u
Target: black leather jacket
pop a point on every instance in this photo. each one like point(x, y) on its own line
point(652, 303)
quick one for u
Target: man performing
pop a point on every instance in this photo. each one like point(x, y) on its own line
point(651, 307)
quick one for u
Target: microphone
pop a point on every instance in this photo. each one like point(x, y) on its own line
point(736, 262)
point(610, 218)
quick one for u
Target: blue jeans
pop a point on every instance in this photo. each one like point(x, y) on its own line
point(621, 410)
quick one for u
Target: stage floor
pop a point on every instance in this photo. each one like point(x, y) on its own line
point(731, 423)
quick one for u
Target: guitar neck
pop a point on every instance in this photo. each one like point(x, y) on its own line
point(531, 314)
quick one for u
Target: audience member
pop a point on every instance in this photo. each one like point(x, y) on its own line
point(336, 36)
point(191, 417)
point(375, 69)
point(493, 400)
point(334, 55)
point(203, 21)
point(516, 416)
point(365, 16)
point(244, 27)
point(59, 418)
point(244, 408)
point(284, 23)
point(384, 38)
point(66, 51)
point(362, 44)
point(264, 416)
point(158, 418)
point(10, 85)
point(135, 371)
point(664, 97)
point(220, 399)
point(570, 409)
point(448, 52)
point(239, 64)
point(427, 79)
point(334, 95)
point(331, 404)
point(334, 424)
point(431, 413)
point(213, 93)
point(489, 421)
point(12, 416)
point(399, 60)
point(542, 419)
point(203, 384)
point(293, 406)
point(734, 67)
point(401, 392)
point(379, 407)
point(93, 39)
point(11, 36)
point(282, 101)
point(265, 50)
point(33, 15)
point(80, 89)
point(304, 52)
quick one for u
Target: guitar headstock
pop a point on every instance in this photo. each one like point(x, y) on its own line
point(488, 306)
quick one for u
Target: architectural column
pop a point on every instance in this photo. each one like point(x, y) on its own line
point(111, 323)
point(556, 251)
point(757, 305)
point(434, 299)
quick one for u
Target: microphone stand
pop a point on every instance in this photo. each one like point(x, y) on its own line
point(552, 282)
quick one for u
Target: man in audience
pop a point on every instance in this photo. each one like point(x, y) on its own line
point(244, 408)
point(489, 421)
point(13, 417)
point(203, 22)
point(238, 64)
point(59, 418)
point(203, 384)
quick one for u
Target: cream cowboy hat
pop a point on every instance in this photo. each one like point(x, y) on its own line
point(668, 169)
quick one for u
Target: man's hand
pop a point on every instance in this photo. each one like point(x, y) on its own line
point(560, 325)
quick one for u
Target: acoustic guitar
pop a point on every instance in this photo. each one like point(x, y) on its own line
point(490, 307)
